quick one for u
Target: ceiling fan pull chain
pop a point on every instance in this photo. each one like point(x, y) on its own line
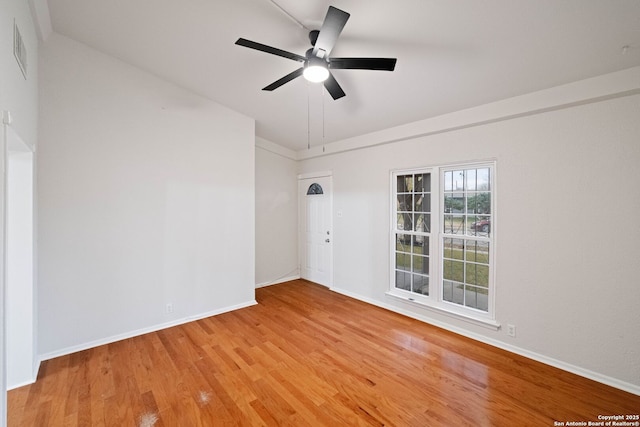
point(322, 116)
point(308, 119)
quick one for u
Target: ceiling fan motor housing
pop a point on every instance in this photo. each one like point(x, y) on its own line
point(313, 36)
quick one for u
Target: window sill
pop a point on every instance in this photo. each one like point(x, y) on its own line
point(487, 323)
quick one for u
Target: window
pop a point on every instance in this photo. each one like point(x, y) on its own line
point(315, 188)
point(442, 238)
point(413, 223)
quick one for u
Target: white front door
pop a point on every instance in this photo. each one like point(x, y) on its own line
point(316, 230)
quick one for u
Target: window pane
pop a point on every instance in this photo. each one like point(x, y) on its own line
point(426, 182)
point(477, 252)
point(403, 280)
point(448, 181)
point(484, 181)
point(453, 270)
point(454, 224)
point(420, 284)
point(453, 248)
point(447, 291)
point(403, 261)
point(453, 203)
point(477, 274)
point(423, 223)
point(418, 183)
point(458, 180)
point(405, 203)
point(453, 292)
point(420, 264)
point(479, 203)
point(483, 299)
point(405, 183)
point(470, 296)
point(422, 202)
point(423, 183)
point(471, 179)
point(405, 221)
point(476, 298)
point(479, 225)
point(421, 245)
point(403, 242)
point(315, 188)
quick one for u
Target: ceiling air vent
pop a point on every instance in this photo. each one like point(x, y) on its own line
point(19, 50)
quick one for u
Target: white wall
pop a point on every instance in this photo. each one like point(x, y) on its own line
point(276, 215)
point(18, 94)
point(146, 198)
point(567, 234)
point(20, 97)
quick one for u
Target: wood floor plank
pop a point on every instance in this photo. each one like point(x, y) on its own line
point(307, 356)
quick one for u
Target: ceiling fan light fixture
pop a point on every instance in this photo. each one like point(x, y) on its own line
point(315, 70)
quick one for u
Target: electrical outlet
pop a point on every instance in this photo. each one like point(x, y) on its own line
point(168, 308)
point(511, 330)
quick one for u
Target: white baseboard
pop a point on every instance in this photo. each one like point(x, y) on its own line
point(34, 375)
point(595, 376)
point(154, 328)
point(277, 281)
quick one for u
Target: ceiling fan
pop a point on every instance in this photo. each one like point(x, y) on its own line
point(316, 62)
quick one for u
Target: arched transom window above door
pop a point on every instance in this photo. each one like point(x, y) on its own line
point(314, 188)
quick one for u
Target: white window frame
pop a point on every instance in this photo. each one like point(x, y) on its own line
point(435, 301)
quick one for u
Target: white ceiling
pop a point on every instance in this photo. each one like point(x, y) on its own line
point(452, 54)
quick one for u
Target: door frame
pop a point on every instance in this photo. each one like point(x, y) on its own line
point(19, 262)
point(302, 192)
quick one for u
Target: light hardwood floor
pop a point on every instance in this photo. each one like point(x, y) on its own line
point(306, 356)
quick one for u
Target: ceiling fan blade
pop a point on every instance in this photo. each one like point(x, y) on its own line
point(285, 79)
point(383, 64)
point(331, 28)
point(334, 89)
point(269, 49)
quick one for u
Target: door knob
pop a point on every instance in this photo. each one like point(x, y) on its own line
point(327, 240)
